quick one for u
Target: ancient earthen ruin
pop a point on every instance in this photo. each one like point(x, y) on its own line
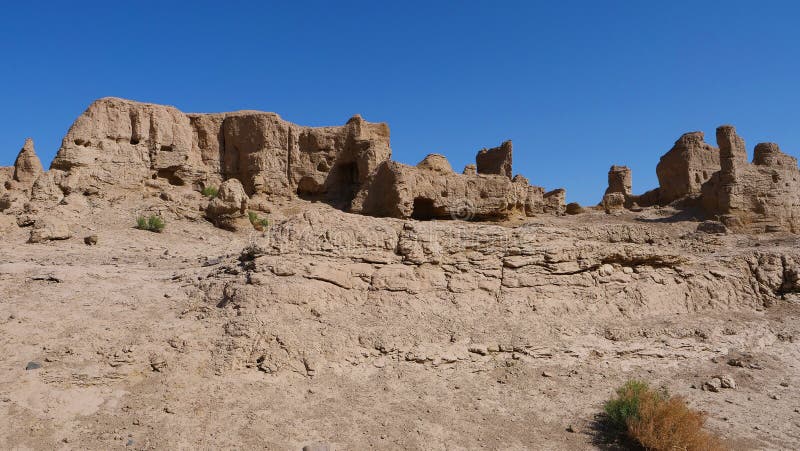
point(125, 144)
point(720, 184)
point(309, 290)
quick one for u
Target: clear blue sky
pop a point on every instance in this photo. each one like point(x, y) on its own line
point(577, 85)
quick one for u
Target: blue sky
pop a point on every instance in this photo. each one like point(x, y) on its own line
point(577, 85)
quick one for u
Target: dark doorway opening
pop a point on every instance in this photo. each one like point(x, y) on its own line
point(343, 184)
point(424, 209)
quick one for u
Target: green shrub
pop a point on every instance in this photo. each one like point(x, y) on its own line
point(210, 192)
point(153, 223)
point(259, 223)
point(657, 421)
point(625, 406)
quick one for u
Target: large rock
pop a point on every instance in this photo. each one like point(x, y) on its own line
point(683, 170)
point(27, 167)
point(495, 161)
point(49, 228)
point(227, 210)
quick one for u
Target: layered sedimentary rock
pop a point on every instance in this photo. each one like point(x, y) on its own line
point(684, 169)
point(762, 196)
point(495, 161)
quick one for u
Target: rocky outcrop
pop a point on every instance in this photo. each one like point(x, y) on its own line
point(131, 145)
point(495, 161)
point(49, 228)
point(436, 162)
point(619, 180)
point(6, 175)
point(760, 197)
point(227, 209)
point(122, 142)
point(683, 170)
point(27, 167)
point(619, 189)
point(431, 190)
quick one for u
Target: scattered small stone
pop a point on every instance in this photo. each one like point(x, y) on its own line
point(775, 396)
point(572, 429)
point(712, 227)
point(479, 349)
point(130, 442)
point(212, 261)
point(157, 363)
point(547, 374)
point(33, 366)
point(713, 385)
point(169, 409)
point(606, 270)
point(727, 381)
point(784, 384)
point(90, 240)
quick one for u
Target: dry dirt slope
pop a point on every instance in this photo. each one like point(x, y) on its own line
point(388, 334)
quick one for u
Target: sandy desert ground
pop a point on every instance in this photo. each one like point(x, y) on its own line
point(367, 333)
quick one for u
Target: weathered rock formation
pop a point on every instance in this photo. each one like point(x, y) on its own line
point(495, 161)
point(619, 180)
point(436, 162)
point(49, 228)
point(227, 209)
point(27, 167)
point(684, 169)
point(431, 190)
point(760, 197)
point(619, 189)
point(122, 142)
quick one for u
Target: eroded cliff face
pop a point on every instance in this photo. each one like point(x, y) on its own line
point(122, 143)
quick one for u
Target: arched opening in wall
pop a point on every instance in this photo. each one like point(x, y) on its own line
point(343, 184)
point(424, 209)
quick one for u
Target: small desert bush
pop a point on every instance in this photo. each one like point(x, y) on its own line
point(258, 222)
point(210, 192)
point(153, 223)
point(657, 421)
